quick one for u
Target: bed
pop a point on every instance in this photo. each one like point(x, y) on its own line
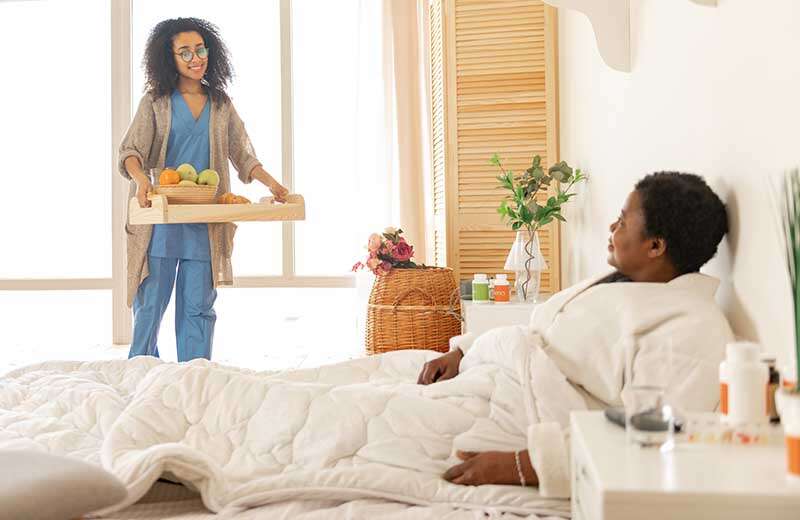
point(358, 439)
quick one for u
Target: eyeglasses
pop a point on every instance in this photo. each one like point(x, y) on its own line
point(187, 55)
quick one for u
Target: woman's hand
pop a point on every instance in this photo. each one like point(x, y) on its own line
point(143, 184)
point(442, 368)
point(278, 191)
point(143, 187)
point(491, 467)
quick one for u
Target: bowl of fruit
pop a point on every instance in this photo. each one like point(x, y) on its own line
point(183, 185)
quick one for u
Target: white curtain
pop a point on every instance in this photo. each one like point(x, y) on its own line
point(393, 127)
point(393, 117)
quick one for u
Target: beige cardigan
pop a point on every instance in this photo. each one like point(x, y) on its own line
point(146, 139)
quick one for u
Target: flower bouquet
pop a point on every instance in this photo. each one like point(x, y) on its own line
point(387, 251)
point(410, 306)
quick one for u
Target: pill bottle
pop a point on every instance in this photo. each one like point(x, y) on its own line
point(502, 289)
point(480, 288)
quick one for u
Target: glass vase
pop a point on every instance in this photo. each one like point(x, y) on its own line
point(527, 293)
point(526, 261)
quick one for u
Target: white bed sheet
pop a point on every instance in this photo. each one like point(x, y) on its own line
point(167, 501)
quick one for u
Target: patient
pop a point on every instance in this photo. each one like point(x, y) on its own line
point(669, 226)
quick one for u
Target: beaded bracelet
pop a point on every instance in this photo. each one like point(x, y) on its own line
point(519, 469)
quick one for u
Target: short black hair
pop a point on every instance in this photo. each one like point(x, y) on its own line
point(161, 75)
point(683, 210)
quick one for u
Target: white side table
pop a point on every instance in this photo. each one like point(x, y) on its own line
point(614, 481)
point(480, 317)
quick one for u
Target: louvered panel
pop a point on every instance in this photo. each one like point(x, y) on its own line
point(516, 164)
point(438, 248)
point(486, 252)
point(493, 25)
point(471, 119)
point(502, 42)
point(497, 33)
point(493, 37)
point(466, 6)
point(489, 190)
point(490, 93)
point(520, 52)
point(510, 101)
point(488, 206)
point(438, 135)
point(510, 135)
point(437, 109)
point(501, 100)
point(490, 84)
point(516, 20)
point(521, 57)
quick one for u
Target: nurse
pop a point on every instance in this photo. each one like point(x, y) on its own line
point(184, 117)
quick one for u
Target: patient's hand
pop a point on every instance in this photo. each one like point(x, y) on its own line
point(491, 467)
point(442, 368)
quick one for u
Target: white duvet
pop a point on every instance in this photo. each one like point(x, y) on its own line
point(357, 430)
point(363, 429)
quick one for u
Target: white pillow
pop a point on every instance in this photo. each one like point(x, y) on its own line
point(39, 486)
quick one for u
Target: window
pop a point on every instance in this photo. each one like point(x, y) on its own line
point(56, 138)
point(59, 152)
point(325, 54)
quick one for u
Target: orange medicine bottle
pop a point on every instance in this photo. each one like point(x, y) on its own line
point(502, 289)
point(723, 388)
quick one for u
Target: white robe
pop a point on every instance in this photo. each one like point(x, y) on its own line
point(605, 338)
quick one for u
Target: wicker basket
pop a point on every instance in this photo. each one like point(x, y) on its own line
point(413, 309)
point(200, 194)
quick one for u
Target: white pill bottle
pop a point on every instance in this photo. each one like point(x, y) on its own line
point(744, 381)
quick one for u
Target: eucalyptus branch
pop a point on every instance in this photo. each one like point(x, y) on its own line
point(521, 210)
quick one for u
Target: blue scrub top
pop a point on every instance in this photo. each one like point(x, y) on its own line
point(188, 143)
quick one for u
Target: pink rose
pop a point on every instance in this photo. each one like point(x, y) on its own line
point(357, 266)
point(403, 252)
point(374, 242)
point(373, 263)
point(384, 268)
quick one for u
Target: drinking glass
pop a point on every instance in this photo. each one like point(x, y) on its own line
point(649, 422)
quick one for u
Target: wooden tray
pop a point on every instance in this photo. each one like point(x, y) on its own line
point(161, 212)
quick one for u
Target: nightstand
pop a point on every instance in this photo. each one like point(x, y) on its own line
point(612, 480)
point(480, 317)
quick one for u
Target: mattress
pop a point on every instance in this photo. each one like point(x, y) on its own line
point(168, 501)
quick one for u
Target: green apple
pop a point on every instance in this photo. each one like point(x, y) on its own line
point(187, 172)
point(187, 182)
point(209, 177)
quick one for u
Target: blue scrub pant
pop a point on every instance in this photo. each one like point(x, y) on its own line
point(194, 307)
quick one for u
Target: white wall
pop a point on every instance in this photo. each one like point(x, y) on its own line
point(713, 91)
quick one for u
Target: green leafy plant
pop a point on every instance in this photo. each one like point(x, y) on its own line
point(521, 209)
point(789, 212)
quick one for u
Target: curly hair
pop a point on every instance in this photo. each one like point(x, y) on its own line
point(686, 213)
point(161, 75)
